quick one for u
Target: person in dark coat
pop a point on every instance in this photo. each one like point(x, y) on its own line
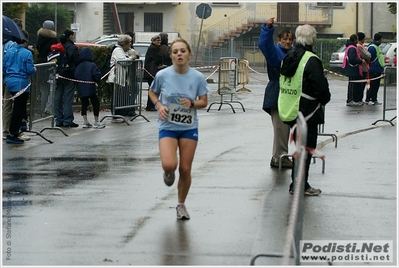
point(315, 91)
point(151, 63)
point(164, 50)
point(352, 65)
point(87, 71)
point(46, 36)
point(65, 89)
point(274, 55)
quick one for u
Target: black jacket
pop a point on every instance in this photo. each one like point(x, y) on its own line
point(314, 83)
point(45, 38)
point(152, 60)
point(72, 53)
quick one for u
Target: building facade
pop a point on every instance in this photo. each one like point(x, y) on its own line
point(241, 20)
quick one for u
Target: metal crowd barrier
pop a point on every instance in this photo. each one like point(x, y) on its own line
point(294, 230)
point(41, 103)
point(127, 90)
point(390, 94)
point(320, 130)
point(227, 82)
point(243, 75)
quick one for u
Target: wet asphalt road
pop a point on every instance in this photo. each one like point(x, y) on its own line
point(97, 197)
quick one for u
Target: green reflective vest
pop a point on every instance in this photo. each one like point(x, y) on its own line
point(380, 56)
point(291, 91)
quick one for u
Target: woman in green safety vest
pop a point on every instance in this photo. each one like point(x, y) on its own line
point(303, 87)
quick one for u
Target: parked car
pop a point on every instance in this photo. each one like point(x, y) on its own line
point(106, 39)
point(389, 51)
point(337, 58)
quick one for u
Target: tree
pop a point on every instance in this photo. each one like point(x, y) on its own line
point(47, 12)
point(14, 10)
point(392, 8)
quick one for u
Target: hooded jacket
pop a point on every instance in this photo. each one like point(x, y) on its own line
point(314, 83)
point(17, 67)
point(45, 38)
point(152, 60)
point(87, 71)
point(164, 50)
point(274, 55)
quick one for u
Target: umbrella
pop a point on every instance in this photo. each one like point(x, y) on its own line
point(11, 30)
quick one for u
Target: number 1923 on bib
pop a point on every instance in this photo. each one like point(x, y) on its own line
point(178, 114)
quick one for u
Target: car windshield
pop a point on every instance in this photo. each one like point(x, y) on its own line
point(142, 49)
point(385, 48)
point(342, 49)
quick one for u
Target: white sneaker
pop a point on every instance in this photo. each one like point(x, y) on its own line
point(98, 124)
point(23, 137)
point(182, 213)
point(87, 125)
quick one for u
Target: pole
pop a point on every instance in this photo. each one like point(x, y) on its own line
point(55, 18)
point(199, 36)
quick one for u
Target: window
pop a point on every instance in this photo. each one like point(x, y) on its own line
point(153, 22)
point(127, 21)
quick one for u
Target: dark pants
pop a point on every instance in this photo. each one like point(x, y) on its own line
point(150, 105)
point(18, 112)
point(94, 101)
point(355, 90)
point(311, 142)
point(374, 86)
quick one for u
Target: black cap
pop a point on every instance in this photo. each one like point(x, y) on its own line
point(377, 37)
point(361, 36)
point(67, 33)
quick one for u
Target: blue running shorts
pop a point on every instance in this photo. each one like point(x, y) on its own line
point(179, 134)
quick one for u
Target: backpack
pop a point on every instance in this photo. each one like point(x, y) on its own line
point(60, 60)
point(105, 68)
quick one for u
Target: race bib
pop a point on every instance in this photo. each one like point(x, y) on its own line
point(178, 114)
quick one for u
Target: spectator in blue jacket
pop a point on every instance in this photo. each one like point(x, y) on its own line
point(274, 55)
point(17, 67)
point(376, 69)
point(87, 71)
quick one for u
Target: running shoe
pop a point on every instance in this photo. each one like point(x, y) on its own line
point(98, 125)
point(13, 139)
point(169, 178)
point(182, 213)
point(87, 125)
point(312, 191)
